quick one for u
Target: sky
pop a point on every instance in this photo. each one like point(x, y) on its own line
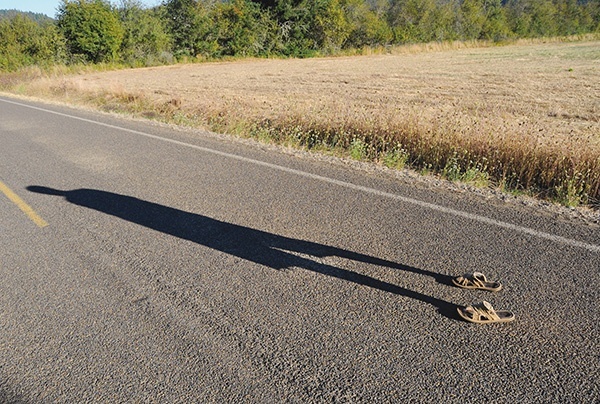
point(49, 7)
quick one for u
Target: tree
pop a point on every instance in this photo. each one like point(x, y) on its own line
point(145, 39)
point(24, 42)
point(331, 28)
point(484, 19)
point(295, 21)
point(593, 10)
point(543, 18)
point(367, 27)
point(495, 27)
point(519, 17)
point(571, 19)
point(472, 18)
point(307, 26)
point(189, 24)
point(240, 27)
point(36, 17)
point(411, 20)
point(92, 29)
point(446, 21)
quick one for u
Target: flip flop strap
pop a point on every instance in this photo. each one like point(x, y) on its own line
point(478, 279)
point(485, 309)
point(464, 281)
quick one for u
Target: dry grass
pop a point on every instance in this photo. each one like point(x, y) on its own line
point(520, 116)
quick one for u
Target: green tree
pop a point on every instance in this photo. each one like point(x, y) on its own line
point(411, 20)
point(295, 19)
point(484, 19)
point(518, 17)
point(367, 26)
point(189, 23)
point(495, 26)
point(308, 26)
point(543, 19)
point(472, 18)
point(36, 17)
point(425, 21)
point(92, 29)
point(331, 28)
point(24, 42)
point(571, 20)
point(588, 20)
point(145, 40)
point(593, 10)
point(241, 28)
point(440, 23)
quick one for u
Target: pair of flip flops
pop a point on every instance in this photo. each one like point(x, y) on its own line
point(481, 313)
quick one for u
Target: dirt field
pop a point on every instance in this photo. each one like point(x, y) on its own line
point(543, 96)
point(552, 88)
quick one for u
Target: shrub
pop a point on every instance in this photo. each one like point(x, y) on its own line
point(24, 42)
point(91, 28)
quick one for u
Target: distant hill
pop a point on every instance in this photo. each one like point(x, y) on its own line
point(38, 17)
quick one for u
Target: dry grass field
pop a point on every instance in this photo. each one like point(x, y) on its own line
point(521, 117)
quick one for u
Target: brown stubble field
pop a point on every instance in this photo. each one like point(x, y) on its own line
point(521, 116)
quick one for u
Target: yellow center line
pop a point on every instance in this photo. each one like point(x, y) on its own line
point(35, 218)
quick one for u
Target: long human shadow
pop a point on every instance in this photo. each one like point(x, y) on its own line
point(268, 249)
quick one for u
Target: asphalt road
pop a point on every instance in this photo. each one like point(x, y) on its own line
point(177, 266)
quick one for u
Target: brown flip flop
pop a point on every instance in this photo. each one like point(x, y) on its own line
point(476, 280)
point(484, 313)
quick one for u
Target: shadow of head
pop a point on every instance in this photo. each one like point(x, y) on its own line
point(46, 191)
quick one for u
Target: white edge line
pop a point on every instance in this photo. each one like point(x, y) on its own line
point(482, 219)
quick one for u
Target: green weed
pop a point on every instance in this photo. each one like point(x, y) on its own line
point(358, 149)
point(397, 158)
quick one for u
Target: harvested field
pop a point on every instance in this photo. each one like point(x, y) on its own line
point(519, 116)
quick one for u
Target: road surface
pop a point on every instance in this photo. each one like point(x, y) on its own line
point(141, 263)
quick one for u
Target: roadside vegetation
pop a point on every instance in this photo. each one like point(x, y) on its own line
point(516, 148)
point(98, 31)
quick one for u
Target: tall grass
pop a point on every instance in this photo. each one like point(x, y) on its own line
point(569, 176)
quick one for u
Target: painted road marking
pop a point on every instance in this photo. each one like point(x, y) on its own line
point(478, 218)
point(35, 218)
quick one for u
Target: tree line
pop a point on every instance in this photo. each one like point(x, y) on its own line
point(99, 31)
